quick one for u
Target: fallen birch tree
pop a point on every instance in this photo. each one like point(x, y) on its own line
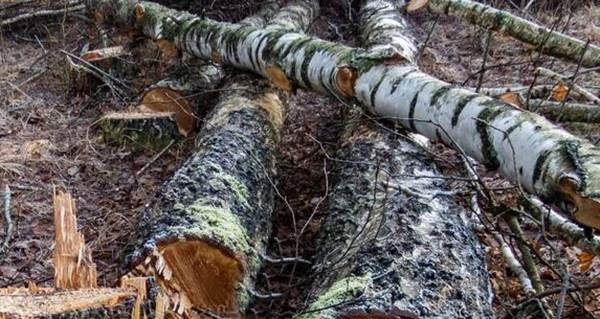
point(524, 147)
point(393, 244)
point(209, 226)
point(547, 41)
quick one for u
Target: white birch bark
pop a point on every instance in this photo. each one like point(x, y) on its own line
point(553, 43)
point(524, 147)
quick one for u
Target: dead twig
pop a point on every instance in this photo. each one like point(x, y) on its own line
point(8, 225)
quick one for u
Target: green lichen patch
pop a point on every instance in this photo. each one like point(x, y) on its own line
point(340, 292)
point(213, 223)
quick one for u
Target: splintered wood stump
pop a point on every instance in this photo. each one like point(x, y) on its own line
point(208, 226)
point(55, 303)
point(393, 243)
point(73, 265)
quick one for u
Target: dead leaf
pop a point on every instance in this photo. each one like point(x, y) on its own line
point(559, 93)
point(585, 261)
point(415, 5)
point(511, 98)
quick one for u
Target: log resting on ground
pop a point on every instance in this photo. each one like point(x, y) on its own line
point(393, 243)
point(552, 42)
point(569, 112)
point(524, 147)
point(211, 219)
point(210, 224)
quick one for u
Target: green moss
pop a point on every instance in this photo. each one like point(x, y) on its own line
point(341, 291)
point(231, 182)
point(119, 135)
point(214, 223)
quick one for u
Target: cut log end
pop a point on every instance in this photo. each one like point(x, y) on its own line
point(164, 99)
point(586, 210)
point(278, 78)
point(200, 274)
point(140, 13)
point(345, 80)
point(139, 130)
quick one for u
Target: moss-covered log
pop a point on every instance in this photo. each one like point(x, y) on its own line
point(209, 226)
point(523, 146)
point(393, 242)
point(551, 42)
point(211, 220)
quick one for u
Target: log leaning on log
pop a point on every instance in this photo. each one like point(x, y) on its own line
point(524, 147)
point(553, 43)
point(211, 222)
point(392, 243)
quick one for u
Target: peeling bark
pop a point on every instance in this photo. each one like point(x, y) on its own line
point(210, 224)
point(553, 43)
point(524, 147)
point(393, 242)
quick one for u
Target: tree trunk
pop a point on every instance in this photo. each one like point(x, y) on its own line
point(570, 112)
point(524, 147)
point(551, 42)
point(211, 222)
point(393, 243)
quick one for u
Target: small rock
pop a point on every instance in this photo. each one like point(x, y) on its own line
point(73, 170)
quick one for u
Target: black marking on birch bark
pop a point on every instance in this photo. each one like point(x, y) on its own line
point(376, 88)
point(490, 160)
point(462, 102)
point(539, 164)
point(399, 80)
point(411, 112)
point(438, 94)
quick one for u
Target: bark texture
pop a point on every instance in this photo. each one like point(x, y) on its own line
point(211, 219)
point(384, 33)
point(551, 42)
point(217, 207)
point(391, 242)
point(524, 147)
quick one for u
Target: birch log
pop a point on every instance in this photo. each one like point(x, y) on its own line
point(570, 112)
point(392, 243)
point(551, 42)
point(523, 146)
point(211, 222)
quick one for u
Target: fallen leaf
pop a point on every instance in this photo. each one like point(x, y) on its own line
point(585, 261)
point(415, 5)
point(559, 93)
point(511, 98)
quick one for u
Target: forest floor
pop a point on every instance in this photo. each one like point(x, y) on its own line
point(49, 140)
